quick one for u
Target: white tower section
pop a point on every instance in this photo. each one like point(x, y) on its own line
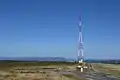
point(80, 42)
point(80, 47)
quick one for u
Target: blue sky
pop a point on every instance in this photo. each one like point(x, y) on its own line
point(42, 28)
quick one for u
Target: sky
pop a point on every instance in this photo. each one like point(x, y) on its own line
point(49, 28)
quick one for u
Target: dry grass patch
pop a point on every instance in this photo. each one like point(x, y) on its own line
point(108, 68)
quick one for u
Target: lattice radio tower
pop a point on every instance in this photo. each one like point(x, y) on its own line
point(80, 46)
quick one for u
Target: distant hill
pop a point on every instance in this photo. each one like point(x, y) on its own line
point(109, 61)
point(34, 58)
point(58, 59)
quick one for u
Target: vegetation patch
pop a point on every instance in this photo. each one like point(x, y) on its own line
point(110, 70)
point(72, 77)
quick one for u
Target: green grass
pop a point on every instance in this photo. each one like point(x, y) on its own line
point(6, 65)
point(31, 63)
point(72, 77)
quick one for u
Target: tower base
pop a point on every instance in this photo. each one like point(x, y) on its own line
point(82, 67)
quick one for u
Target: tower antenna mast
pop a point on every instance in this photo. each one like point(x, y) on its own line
point(80, 42)
point(80, 46)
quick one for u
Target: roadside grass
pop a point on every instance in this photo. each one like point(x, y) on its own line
point(109, 70)
point(71, 77)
